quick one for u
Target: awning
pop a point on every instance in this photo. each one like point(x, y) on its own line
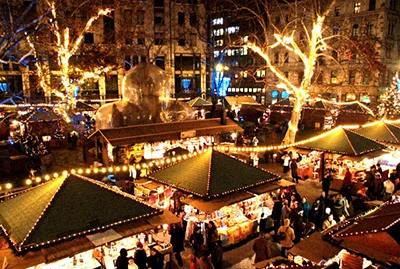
point(315, 249)
point(218, 203)
point(268, 187)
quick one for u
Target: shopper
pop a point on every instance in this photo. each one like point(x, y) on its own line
point(196, 241)
point(122, 260)
point(177, 241)
point(276, 214)
point(140, 256)
point(204, 262)
point(306, 209)
point(287, 242)
point(156, 259)
point(217, 254)
point(326, 182)
point(211, 235)
point(293, 167)
point(329, 222)
point(193, 261)
point(286, 160)
point(262, 248)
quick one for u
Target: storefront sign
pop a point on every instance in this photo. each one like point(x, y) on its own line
point(187, 134)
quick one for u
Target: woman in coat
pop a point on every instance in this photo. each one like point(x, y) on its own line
point(286, 243)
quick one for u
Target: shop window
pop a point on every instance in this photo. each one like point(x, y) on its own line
point(350, 97)
point(365, 98)
point(357, 7)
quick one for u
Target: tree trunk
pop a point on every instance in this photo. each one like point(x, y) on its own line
point(290, 136)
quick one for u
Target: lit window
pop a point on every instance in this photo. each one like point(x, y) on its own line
point(365, 98)
point(246, 90)
point(357, 7)
point(370, 29)
point(334, 77)
point(350, 97)
point(216, 54)
point(245, 39)
point(218, 21)
point(355, 30)
point(245, 51)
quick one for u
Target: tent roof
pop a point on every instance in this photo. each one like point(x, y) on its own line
point(39, 115)
point(198, 102)
point(123, 136)
point(31, 219)
point(381, 131)
point(356, 107)
point(341, 141)
point(380, 227)
point(212, 174)
point(238, 100)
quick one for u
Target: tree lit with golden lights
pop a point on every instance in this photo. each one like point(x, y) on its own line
point(389, 105)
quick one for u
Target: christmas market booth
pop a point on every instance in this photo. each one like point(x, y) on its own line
point(354, 113)
point(119, 145)
point(76, 222)
point(201, 106)
point(368, 240)
point(213, 186)
point(381, 131)
point(337, 149)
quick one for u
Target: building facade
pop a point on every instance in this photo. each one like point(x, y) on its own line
point(356, 67)
point(167, 33)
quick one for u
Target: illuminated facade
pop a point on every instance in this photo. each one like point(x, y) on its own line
point(167, 33)
point(342, 75)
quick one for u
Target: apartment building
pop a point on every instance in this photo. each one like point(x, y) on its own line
point(167, 33)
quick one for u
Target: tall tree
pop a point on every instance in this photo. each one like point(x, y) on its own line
point(389, 105)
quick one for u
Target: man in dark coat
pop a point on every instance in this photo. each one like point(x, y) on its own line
point(293, 167)
point(262, 248)
point(276, 214)
point(326, 182)
point(156, 259)
point(177, 241)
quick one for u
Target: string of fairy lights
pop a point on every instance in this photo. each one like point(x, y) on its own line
point(169, 161)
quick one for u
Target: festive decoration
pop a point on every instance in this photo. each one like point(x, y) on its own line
point(389, 105)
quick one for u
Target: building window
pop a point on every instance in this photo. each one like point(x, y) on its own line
point(181, 42)
point(158, 20)
point(218, 21)
point(337, 11)
point(354, 31)
point(320, 77)
point(128, 16)
point(389, 50)
point(181, 18)
point(89, 38)
point(370, 29)
point(352, 77)
point(365, 98)
point(276, 58)
point(393, 4)
point(219, 43)
point(140, 17)
point(335, 55)
point(128, 41)
point(300, 77)
point(140, 41)
point(357, 7)
point(193, 19)
point(372, 5)
point(390, 28)
point(286, 58)
point(158, 3)
point(160, 62)
point(277, 20)
point(159, 41)
point(193, 39)
point(286, 74)
point(334, 77)
point(350, 97)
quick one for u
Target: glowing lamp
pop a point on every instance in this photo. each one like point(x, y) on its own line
point(8, 186)
point(28, 182)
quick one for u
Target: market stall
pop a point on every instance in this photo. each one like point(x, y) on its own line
point(335, 144)
point(76, 222)
point(381, 131)
point(217, 187)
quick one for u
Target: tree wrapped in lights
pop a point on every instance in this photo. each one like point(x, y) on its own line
point(389, 105)
point(299, 37)
point(65, 45)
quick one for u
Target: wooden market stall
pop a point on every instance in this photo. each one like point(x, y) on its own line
point(114, 145)
point(75, 222)
point(335, 144)
point(381, 131)
point(220, 188)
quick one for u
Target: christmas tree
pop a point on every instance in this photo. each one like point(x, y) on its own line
point(389, 103)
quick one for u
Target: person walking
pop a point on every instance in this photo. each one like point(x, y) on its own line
point(217, 254)
point(326, 182)
point(276, 214)
point(306, 209)
point(293, 167)
point(211, 235)
point(196, 241)
point(287, 242)
point(286, 160)
point(177, 241)
point(122, 260)
point(262, 248)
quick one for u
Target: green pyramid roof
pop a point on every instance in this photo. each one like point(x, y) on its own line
point(198, 101)
point(381, 131)
point(342, 141)
point(212, 174)
point(66, 208)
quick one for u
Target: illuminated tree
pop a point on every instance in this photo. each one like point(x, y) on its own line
point(67, 29)
point(389, 105)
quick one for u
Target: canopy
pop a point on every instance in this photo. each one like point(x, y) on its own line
point(379, 227)
point(33, 218)
point(356, 107)
point(381, 131)
point(212, 174)
point(39, 115)
point(341, 141)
